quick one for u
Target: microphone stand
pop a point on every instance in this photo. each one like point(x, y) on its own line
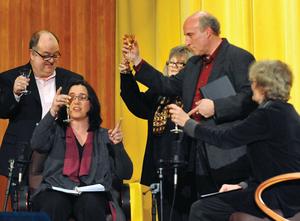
point(177, 161)
point(161, 178)
point(10, 169)
point(154, 187)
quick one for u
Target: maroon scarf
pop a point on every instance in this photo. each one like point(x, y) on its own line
point(73, 167)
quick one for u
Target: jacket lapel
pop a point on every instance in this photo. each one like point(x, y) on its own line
point(218, 66)
point(191, 83)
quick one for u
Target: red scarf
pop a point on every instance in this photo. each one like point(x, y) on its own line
point(73, 167)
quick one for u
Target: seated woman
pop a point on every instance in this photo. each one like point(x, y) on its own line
point(80, 153)
point(273, 147)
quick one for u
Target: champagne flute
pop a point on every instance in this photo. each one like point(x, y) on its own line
point(128, 40)
point(176, 130)
point(68, 120)
point(25, 73)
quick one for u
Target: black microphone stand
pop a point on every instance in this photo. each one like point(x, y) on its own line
point(154, 187)
point(10, 172)
point(161, 178)
point(177, 161)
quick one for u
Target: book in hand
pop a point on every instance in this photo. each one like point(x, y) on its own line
point(220, 88)
point(81, 189)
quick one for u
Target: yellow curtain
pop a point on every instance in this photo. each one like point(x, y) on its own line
point(267, 28)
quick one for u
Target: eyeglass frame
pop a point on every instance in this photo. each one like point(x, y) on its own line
point(80, 97)
point(48, 57)
point(181, 64)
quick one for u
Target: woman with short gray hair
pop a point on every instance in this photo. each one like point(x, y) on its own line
point(273, 140)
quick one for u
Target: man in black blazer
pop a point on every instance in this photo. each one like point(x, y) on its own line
point(25, 110)
point(215, 57)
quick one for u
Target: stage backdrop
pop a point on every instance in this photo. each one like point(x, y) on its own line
point(267, 28)
point(86, 29)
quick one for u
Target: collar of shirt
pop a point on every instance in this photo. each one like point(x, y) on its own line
point(209, 58)
point(47, 78)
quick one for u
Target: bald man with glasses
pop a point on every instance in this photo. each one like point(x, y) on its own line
point(27, 93)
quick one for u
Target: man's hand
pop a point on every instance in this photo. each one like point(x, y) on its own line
point(205, 107)
point(131, 52)
point(178, 116)
point(20, 85)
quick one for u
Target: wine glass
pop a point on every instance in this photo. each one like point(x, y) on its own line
point(25, 73)
point(128, 40)
point(176, 130)
point(68, 120)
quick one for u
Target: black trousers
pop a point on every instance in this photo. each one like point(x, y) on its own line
point(61, 206)
point(210, 209)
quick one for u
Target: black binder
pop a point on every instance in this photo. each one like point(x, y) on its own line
point(220, 88)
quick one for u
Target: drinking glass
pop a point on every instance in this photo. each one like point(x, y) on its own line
point(25, 73)
point(68, 120)
point(129, 40)
point(176, 130)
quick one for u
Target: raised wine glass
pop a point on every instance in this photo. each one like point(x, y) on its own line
point(25, 73)
point(68, 120)
point(128, 39)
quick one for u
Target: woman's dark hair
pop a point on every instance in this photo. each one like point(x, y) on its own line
point(94, 114)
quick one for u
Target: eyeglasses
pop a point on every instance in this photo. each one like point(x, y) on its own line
point(176, 64)
point(80, 97)
point(48, 57)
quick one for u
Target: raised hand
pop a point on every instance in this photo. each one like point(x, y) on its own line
point(59, 101)
point(115, 135)
point(130, 49)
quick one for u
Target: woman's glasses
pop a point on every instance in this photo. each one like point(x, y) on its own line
point(176, 64)
point(79, 97)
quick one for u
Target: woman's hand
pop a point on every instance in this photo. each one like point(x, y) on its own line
point(115, 135)
point(59, 101)
point(229, 187)
point(178, 116)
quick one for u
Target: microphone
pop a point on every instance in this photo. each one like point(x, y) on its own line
point(243, 185)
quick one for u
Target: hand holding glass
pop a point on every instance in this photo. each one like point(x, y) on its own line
point(176, 130)
point(25, 73)
point(68, 120)
point(129, 41)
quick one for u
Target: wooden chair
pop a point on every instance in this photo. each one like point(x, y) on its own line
point(274, 215)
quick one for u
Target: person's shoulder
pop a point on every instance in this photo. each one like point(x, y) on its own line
point(67, 73)
point(194, 59)
point(235, 50)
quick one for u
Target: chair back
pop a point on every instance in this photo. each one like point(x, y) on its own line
point(269, 182)
point(35, 170)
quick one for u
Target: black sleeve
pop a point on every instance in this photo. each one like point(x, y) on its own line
point(254, 128)
point(139, 103)
point(8, 103)
point(156, 81)
point(121, 162)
